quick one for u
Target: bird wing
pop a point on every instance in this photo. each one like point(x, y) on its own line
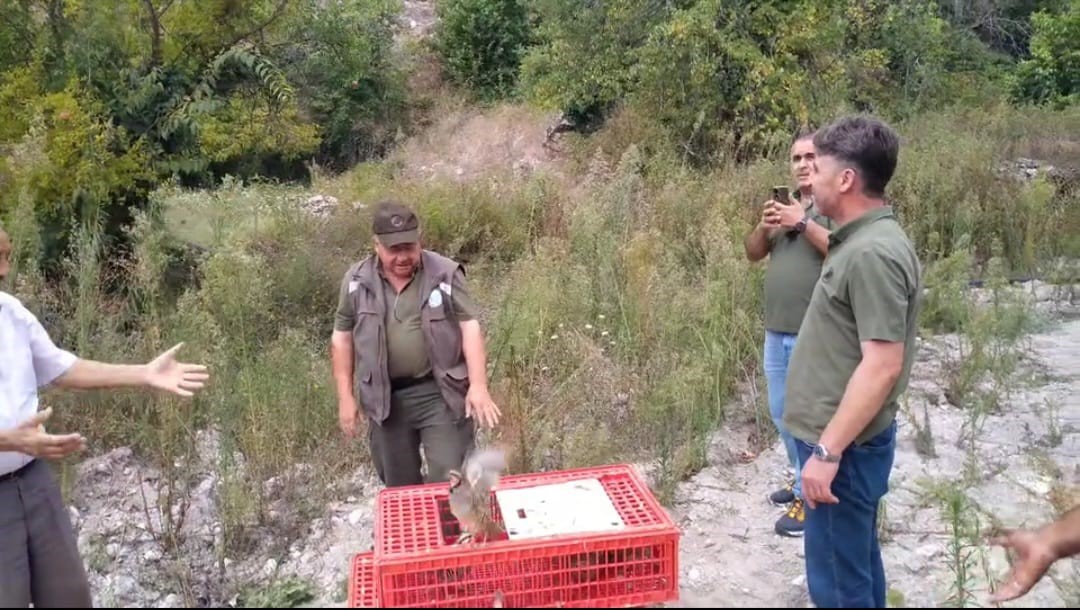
point(484, 468)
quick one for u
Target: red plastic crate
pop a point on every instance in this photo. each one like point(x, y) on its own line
point(417, 563)
point(363, 587)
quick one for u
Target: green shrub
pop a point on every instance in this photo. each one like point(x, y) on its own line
point(1052, 73)
point(481, 43)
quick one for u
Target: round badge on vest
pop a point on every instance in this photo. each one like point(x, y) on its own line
point(435, 300)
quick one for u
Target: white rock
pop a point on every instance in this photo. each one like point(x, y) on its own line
point(799, 581)
point(694, 574)
point(171, 600)
point(928, 551)
point(152, 555)
point(124, 586)
point(351, 499)
point(112, 550)
point(270, 567)
point(356, 516)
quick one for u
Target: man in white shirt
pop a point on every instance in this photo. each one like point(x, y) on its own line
point(39, 556)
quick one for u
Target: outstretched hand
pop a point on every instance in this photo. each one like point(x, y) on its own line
point(1035, 555)
point(166, 374)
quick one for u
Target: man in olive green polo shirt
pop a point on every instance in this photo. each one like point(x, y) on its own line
point(407, 346)
point(795, 237)
point(851, 362)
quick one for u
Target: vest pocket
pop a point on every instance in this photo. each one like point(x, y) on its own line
point(456, 379)
point(444, 335)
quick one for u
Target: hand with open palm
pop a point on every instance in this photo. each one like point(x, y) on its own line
point(1034, 555)
point(180, 378)
point(30, 437)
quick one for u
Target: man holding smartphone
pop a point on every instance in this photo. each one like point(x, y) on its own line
point(795, 237)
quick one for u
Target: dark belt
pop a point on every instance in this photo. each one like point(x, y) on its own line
point(15, 474)
point(400, 383)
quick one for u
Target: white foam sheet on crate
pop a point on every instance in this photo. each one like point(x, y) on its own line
point(572, 507)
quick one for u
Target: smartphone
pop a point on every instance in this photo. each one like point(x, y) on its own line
point(780, 193)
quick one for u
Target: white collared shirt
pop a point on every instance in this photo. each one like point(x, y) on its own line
point(28, 360)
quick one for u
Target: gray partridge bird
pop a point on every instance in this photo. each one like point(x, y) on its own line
point(470, 493)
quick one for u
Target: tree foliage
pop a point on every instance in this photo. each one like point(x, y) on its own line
point(1052, 73)
point(103, 100)
point(481, 43)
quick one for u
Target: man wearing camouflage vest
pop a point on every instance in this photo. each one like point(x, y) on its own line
point(408, 349)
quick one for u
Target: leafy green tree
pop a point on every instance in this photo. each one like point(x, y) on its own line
point(481, 43)
point(1052, 73)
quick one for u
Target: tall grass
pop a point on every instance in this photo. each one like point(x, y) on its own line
point(620, 311)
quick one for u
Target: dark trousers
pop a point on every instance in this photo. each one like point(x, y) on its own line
point(843, 558)
point(39, 557)
point(419, 417)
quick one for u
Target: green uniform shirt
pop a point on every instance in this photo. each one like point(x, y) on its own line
point(870, 288)
point(407, 353)
point(793, 270)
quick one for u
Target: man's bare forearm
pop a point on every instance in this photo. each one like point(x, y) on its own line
point(93, 375)
point(472, 342)
point(756, 243)
point(863, 398)
point(341, 356)
point(818, 236)
point(1064, 534)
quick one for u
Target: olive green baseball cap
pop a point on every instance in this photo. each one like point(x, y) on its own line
point(395, 224)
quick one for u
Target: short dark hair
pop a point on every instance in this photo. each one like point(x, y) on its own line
point(803, 133)
point(865, 142)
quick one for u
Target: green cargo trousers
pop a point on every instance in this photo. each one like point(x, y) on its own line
point(419, 417)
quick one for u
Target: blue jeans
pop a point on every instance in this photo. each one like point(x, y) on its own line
point(778, 347)
point(843, 558)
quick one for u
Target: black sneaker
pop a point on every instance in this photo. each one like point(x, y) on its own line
point(783, 497)
point(791, 523)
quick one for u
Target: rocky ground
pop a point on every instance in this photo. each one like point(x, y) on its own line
point(1024, 466)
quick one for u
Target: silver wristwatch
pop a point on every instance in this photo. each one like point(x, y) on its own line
point(821, 453)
